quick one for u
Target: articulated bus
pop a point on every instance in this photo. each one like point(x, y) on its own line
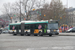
point(34, 28)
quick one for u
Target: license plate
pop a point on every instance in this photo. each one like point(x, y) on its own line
point(13, 30)
point(54, 30)
point(26, 30)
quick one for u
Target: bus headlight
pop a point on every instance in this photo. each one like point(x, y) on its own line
point(14, 30)
point(19, 30)
point(48, 31)
point(57, 30)
point(28, 31)
point(40, 30)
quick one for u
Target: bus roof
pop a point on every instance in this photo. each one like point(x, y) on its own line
point(29, 22)
point(35, 22)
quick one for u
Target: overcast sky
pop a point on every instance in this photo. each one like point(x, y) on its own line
point(71, 3)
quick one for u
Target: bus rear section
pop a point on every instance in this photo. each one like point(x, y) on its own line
point(15, 29)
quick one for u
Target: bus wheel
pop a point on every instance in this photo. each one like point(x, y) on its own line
point(22, 34)
point(40, 34)
point(27, 34)
point(50, 35)
point(35, 34)
point(57, 34)
point(14, 34)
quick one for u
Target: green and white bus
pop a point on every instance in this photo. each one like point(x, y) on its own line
point(34, 28)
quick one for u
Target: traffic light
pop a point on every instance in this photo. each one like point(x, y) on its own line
point(44, 15)
point(11, 17)
point(24, 19)
point(40, 14)
point(33, 9)
point(14, 15)
point(60, 17)
point(25, 11)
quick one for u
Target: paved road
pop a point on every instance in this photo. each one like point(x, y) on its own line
point(10, 42)
point(67, 34)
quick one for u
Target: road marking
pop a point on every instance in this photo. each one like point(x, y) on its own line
point(66, 47)
point(55, 48)
point(30, 48)
point(19, 49)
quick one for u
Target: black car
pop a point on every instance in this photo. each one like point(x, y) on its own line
point(0, 31)
point(71, 30)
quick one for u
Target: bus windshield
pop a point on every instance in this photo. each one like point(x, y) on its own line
point(52, 25)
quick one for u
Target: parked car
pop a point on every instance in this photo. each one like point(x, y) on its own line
point(71, 30)
point(0, 31)
point(5, 31)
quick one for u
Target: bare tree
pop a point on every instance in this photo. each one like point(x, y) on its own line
point(28, 5)
point(7, 9)
point(54, 11)
point(45, 12)
point(25, 7)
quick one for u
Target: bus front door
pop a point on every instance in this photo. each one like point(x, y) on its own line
point(17, 29)
point(32, 29)
point(22, 29)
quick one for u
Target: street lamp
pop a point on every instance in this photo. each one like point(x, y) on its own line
point(20, 10)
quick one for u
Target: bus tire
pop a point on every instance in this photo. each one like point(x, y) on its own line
point(50, 35)
point(35, 34)
point(40, 34)
point(27, 34)
point(22, 34)
point(57, 34)
point(14, 34)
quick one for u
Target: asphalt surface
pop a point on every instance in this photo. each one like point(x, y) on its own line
point(10, 42)
point(67, 34)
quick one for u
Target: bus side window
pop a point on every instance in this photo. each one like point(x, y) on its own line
point(16, 27)
point(11, 27)
point(27, 27)
point(44, 26)
point(19, 26)
point(36, 26)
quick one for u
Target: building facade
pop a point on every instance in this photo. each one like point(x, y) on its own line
point(71, 15)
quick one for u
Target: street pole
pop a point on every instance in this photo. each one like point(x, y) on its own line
point(67, 15)
point(20, 10)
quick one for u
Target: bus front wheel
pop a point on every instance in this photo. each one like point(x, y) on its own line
point(50, 35)
point(14, 34)
point(22, 34)
point(40, 34)
point(35, 34)
point(27, 34)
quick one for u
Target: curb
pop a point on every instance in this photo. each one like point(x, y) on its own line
point(67, 34)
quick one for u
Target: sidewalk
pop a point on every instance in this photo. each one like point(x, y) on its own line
point(66, 34)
